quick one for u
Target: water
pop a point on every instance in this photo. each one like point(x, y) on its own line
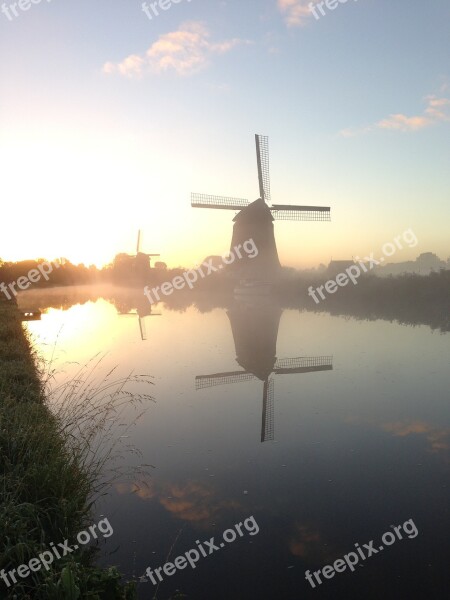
point(360, 423)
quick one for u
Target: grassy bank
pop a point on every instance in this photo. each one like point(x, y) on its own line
point(45, 489)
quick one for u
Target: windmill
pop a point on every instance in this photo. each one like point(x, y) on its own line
point(135, 268)
point(255, 219)
point(142, 328)
point(129, 299)
point(255, 332)
point(142, 259)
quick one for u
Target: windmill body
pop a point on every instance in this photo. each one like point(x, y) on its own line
point(255, 222)
point(255, 333)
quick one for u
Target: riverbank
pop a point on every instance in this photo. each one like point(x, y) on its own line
point(45, 491)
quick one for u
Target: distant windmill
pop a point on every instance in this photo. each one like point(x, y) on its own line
point(255, 332)
point(133, 268)
point(255, 219)
point(142, 328)
point(129, 302)
point(142, 258)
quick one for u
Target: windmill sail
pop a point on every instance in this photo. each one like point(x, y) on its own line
point(262, 157)
point(222, 202)
point(205, 381)
point(268, 421)
point(303, 364)
point(142, 329)
point(286, 212)
point(138, 241)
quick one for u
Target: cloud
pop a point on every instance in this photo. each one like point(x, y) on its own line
point(436, 111)
point(131, 66)
point(438, 108)
point(296, 12)
point(191, 501)
point(404, 123)
point(349, 132)
point(307, 543)
point(185, 51)
point(438, 438)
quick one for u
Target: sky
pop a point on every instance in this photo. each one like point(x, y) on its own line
point(109, 119)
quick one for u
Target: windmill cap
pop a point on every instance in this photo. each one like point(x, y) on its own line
point(257, 210)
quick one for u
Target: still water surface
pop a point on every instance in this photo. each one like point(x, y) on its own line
point(328, 431)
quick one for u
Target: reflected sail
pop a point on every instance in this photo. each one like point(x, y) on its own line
point(268, 419)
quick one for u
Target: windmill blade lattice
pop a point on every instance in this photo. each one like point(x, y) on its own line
point(268, 420)
point(142, 329)
point(206, 381)
point(138, 245)
point(222, 202)
point(282, 212)
point(303, 364)
point(262, 156)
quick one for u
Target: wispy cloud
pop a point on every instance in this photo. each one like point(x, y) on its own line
point(438, 438)
point(296, 12)
point(437, 111)
point(185, 51)
point(438, 108)
point(307, 542)
point(191, 501)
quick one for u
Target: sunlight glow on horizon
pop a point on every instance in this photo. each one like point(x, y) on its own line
point(67, 170)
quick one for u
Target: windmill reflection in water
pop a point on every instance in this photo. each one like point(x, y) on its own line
point(254, 325)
